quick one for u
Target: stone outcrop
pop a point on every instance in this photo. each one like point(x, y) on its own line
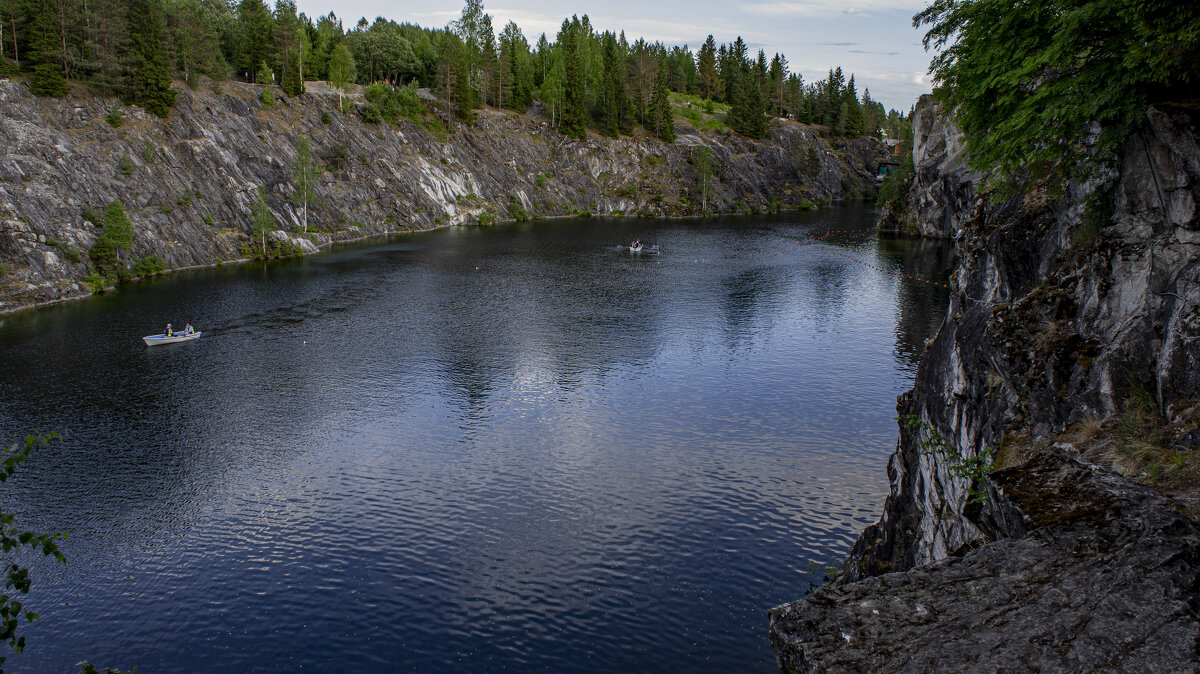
point(189, 182)
point(1059, 315)
point(1105, 581)
point(943, 188)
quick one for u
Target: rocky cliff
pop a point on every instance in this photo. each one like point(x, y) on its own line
point(942, 189)
point(189, 182)
point(1068, 363)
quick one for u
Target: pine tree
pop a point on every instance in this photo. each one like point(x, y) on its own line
point(574, 115)
point(709, 84)
point(46, 76)
point(288, 45)
point(662, 117)
point(854, 112)
point(149, 80)
point(255, 28)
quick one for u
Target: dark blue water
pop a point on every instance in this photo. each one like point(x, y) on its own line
point(513, 448)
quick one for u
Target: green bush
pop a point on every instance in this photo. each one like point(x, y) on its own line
point(125, 165)
point(148, 265)
point(96, 282)
point(165, 209)
point(516, 211)
point(266, 97)
point(325, 119)
point(372, 114)
point(114, 117)
point(391, 102)
point(894, 189)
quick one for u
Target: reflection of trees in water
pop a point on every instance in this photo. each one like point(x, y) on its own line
point(831, 289)
point(742, 297)
point(922, 306)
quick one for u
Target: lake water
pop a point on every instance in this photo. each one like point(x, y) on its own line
point(515, 448)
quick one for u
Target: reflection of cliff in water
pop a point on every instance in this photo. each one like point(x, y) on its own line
point(922, 305)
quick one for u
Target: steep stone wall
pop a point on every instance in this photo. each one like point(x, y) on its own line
point(189, 182)
point(943, 188)
point(1056, 317)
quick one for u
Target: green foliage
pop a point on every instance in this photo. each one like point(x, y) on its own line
point(125, 166)
point(117, 234)
point(894, 190)
point(91, 215)
point(973, 468)
point(165, 209)
point(13, 540)
point(208, 219)
point(516, 211)
point(486, 218)
point(261, 220)
point(265, 76)
point(3, 270)
point(541, 180)
point(304, 176)
point(386, 103)
point(266, 97)
point(46, 74)
point(662, 120)
point(147, 153)
point(149, 77)
point(114, 117)
point(97, 282)
point(148, 265)
point(1050, 91)
point(71, 253)
point(325, 119)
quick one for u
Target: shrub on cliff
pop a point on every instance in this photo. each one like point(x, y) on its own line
point(1054, 88)
point(117, 234)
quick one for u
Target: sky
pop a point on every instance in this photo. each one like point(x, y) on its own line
point(873, 39)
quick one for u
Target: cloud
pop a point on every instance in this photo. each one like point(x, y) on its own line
point(837, 44)
point(829, 7)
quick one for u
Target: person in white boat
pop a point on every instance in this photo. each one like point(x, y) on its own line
point(188, 329)
point(168, 331)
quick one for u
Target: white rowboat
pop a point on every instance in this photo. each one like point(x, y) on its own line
point(155, 340)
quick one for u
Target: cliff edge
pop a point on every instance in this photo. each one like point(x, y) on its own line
point(189, 182)
point(1069, 364)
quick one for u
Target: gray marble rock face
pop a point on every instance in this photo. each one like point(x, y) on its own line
point(188, 182)
point(1049, 321)
point(1105, 580)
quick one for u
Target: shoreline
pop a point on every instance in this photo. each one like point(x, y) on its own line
point(329, 245)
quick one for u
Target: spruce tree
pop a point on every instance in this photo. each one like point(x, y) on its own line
point(46, 76)
point(613, 92)
point(709, 82)
point(660, 105)
point(149, 81)
point(574, 116)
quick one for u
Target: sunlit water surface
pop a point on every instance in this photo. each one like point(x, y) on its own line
point(512, 448)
